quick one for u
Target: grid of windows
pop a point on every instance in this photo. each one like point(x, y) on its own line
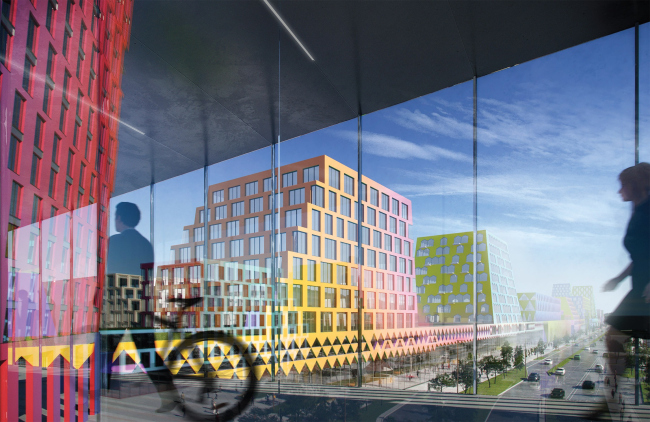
point(217, 196)
point(251, 225)
point(256, 205)
point(293, 218)
point(237, 209)
point(296, 196)
point(290, 179)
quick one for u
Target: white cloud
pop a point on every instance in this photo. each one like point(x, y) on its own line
point(393, 147)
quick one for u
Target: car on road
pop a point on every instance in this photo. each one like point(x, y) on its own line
point(557, 393)
point(588, 385)
point(576, 357)
point(533, 376)
point(547, 361)
point(595, 352)
point(587, 348)
point(593, 344)
point(560, 371)
point(599, 368)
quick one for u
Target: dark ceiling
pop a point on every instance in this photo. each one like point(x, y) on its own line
point(204, 80)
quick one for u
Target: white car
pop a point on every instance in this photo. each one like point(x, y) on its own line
point(547, 361)
point(587, 348)
point(599, 368)
point(560, 371)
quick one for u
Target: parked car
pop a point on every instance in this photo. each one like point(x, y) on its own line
point(588, 385)
point(576, 357)
point(560, 371)
point(557, 393)
point(599, 368)
point(533, 376)
point(547, 361)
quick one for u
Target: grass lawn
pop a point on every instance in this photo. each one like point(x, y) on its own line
point(502, 384)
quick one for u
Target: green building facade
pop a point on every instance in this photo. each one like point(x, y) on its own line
point(444, 268)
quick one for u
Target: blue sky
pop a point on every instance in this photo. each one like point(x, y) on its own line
point(554, 134)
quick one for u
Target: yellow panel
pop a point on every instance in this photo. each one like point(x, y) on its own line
point(81, 354)
point(30, 354)
point(129, 348)
point(225, 373)
point(50, 353)
point(195, 364)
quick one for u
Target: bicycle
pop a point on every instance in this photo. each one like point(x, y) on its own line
point(208, 384)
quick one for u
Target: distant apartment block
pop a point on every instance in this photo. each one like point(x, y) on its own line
point(444, 266)
point(537, 307)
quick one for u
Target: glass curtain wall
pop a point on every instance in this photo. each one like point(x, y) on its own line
point(369, 254)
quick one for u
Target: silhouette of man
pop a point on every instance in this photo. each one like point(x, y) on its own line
point(127, 251)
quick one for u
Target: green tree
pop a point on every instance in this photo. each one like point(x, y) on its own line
point(540, 347)
point(489, 364)
point(519, 356)
point(442, 380)
point(464, 373)
point(506, 355)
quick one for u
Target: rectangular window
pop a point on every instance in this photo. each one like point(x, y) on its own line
point(27, 75)
point(52, 189)
point(365, 235)
point(311, 270)
point(367, 321)
point(36, 170)
point(332, 201)
point(342, 275)
point(370, 299)
point(221, 212)
point(268, 184)
point(382, 261)
point(290, 179)
point(234, 192)
point(268, 221)
point(398, 245)
point(326, 322)
point(315, 245)
point(293, 218)
point(232, 228)
point(326, 273)
point(334, 178)
point(374, 197)
point(251, 225)
point(382, 221)
point(66, 195)
point(251, 188)
point(340, 228)
point(318, 196)
point(256, 245)
point(217, 196)
point(354, 321)
point(402, 229)
point(395, 207)
point(352, 231)
point(215, 231)
point(38, 132)
point(393, 225)
point(297, 268)
point(236, 248)
point(19, 108)
point(198, 234)
point(329, 224)
point(297, 295)
point(279, 200)
point(379, 280)
point(70, 163)
point(405, 211)
point(341, 321)
point(36, 209)
point(407, 248)
point(348, 185)
point(393, 263)
point(388, 243)
point(310, 174)
point(330, 249)
point(280, 242)
point(315, 220)
point(346, 206)
point(381, 300)
point(308, 322)
point(296, 196)
point(237, 209)
point(371, 216)
point(313, 296)
point(371, 261)
point(330, 297)
point(345, 252)
point(14, 154)
point(379, 321)
point(256, 205)
point(385, 202)
point(300, 242)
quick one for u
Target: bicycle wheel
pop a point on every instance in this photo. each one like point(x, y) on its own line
point(204, 381)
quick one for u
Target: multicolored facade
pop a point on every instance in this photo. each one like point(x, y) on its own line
point(227, 260)
point(538, 307)
point(61, 66)
point(444, 273)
